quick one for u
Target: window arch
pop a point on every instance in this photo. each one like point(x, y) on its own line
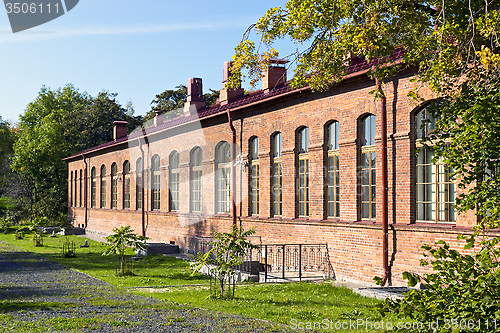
point(93, 188)
point(303, 171)
point(368, 167)
point(103, 186)
point(114, 185)
point(277, 175)
point(173, 166)
point(196, 158)
point(155, 182)
point(223, 177)
point(333, 179)
point(254, 176)
point(138, 183)
point(126, 185)
point(435, 191)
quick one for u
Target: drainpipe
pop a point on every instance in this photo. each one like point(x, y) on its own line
point(142, 188)
point(385, 187)
point(85, 189)
point(233, 166)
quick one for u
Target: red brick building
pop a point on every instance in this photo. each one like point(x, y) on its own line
point(308, 171)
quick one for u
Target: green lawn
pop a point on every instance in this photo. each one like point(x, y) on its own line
point(289, 303)
point(286, 303)
point(150, 271)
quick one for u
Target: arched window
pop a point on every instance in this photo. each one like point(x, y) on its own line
point(196, 179)
point(155, 182)
point(138, 183)
point(75, 193)
point(71, 190)
point(223, 177)
point(114, 185)
point(368, 168)
point(103, 186)
point(254, 176)
point(173, 166)
point(303, 171)
point(277, 175)
point(81, 186)
point(333, 195)
point(435, 190)
point(126, 185)
point(93, 188)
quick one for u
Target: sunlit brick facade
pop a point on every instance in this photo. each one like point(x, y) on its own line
point(323, 188)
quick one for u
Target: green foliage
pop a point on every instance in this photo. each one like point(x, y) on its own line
point(227, 252)
point(7, 138)
point(467, 139)
point(439, 37)
point(5, 225)
point(172, 101)
point(19, 234)
point(55, 125)
point(38, 223)
point(463, 290)
point(123, 238)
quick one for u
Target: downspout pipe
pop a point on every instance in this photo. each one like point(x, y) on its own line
point(233, 166)
point(143, 212)
point(86, 190)
point(385, 186)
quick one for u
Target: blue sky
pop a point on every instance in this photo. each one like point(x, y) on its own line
point(134, 48)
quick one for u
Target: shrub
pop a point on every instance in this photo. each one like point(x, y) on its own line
point(123, 238)
point(226, 252)
point(462, 295)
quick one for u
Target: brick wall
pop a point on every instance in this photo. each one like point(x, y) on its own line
point(354, 244)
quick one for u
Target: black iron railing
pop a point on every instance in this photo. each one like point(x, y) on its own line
point(280, 261)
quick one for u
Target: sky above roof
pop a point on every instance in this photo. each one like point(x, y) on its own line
point(134, 48)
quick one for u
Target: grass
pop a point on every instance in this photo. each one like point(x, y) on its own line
point(285, 303)
point(150, 271)
point(288, 303)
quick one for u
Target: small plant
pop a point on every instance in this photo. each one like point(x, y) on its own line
point(69, 249)
point(36, 225)
point(226, 252)
point(5, 225)
point(463, 293)
point(122, 239)
point(19, 234)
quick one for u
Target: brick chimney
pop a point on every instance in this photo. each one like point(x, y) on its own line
point(230, 95)
point(194, 100)
point(274, 75)
point(119, 129)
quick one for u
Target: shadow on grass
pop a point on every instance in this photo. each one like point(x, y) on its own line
point(8, 306)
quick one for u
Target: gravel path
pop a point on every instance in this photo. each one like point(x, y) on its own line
point(37, 295)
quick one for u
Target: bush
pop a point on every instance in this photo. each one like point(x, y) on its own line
point(5, 225)
point(462, 295)
point(226, 252)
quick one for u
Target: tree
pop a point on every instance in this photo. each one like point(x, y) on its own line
point(93, 125)
point(173, 100)
point(123, 238)
point(42, 144)
point(440, 37)
point(225, 254)
point(7, 138)
point(55, 125)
